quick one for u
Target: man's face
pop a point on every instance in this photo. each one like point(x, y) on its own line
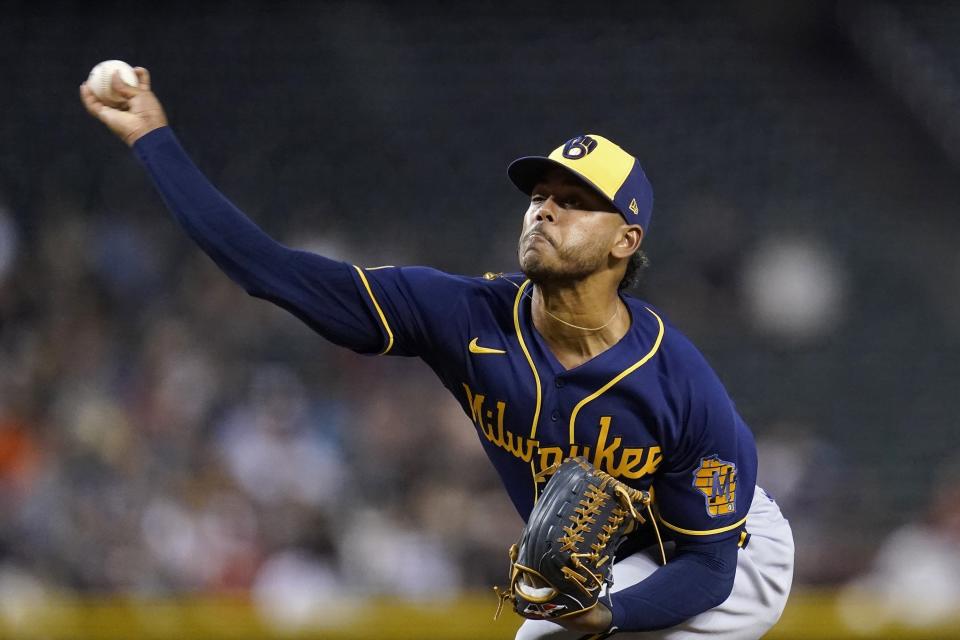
point(568, 230)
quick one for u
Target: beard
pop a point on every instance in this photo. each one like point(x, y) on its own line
point(557, 265)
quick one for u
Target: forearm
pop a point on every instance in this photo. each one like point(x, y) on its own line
point(699, 577)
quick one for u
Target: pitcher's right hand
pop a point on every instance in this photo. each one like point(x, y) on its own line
point(138, 114)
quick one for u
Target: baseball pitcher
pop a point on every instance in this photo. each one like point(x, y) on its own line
point(614, 439)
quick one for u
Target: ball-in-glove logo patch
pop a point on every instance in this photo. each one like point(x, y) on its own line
point(579, 147)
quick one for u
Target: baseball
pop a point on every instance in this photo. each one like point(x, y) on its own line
point(100, 76)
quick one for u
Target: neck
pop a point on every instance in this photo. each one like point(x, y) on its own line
point(578, 320)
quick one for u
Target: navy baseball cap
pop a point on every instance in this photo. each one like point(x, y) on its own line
point(613, 172)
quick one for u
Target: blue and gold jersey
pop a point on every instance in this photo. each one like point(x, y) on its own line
point(649, 410)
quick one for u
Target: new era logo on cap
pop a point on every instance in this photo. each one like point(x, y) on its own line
point(613, 172)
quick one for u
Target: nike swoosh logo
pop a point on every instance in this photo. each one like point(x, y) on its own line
point(475, 348)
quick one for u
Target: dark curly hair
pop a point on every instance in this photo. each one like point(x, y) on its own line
point(631, 277)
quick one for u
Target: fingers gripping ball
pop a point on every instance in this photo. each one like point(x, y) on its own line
point(562, 564)
point(102, 75)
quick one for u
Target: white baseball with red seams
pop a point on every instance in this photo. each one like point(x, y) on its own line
point(102, 74)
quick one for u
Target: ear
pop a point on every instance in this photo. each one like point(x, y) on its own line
point(629, 241)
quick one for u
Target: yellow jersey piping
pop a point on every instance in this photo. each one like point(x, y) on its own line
point(709, 532)
point(636, 365)
point(536, 378)
point(526, 353)
point(376, 305)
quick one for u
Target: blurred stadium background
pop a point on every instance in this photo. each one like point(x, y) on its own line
point(177, 460)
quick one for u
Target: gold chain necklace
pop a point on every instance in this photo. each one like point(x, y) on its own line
point(570, 324)
point(616, 314)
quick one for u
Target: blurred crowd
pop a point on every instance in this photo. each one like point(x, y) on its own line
point(162, 433)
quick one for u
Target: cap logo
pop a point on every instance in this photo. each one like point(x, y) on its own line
point(579, 147)
point(634, 208)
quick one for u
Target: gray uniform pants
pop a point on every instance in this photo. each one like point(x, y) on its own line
point(760, 589)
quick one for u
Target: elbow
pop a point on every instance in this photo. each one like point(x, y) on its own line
point(724, 569)
point(254, 289)
point(721, 590)
point(266, 278)
point(251, 285)
point(718, 569)
point(712, 590)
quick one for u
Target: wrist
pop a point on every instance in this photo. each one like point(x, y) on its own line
point(596, 620)
point(146, 138)
point(137, 134)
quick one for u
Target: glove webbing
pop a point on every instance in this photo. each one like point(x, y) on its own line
point(628, 496)
point(583, 517)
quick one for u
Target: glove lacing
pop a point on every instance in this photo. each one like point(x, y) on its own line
point(582, 520)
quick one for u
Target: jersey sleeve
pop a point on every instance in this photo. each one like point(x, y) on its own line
point(398, 311)
point(704, 489)
point(321, 292)
point(698, 577)
point(416, 308)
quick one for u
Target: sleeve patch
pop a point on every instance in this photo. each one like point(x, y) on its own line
point(716, 479)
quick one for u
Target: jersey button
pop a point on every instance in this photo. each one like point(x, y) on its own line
point(559, 383)
point(555, 416)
